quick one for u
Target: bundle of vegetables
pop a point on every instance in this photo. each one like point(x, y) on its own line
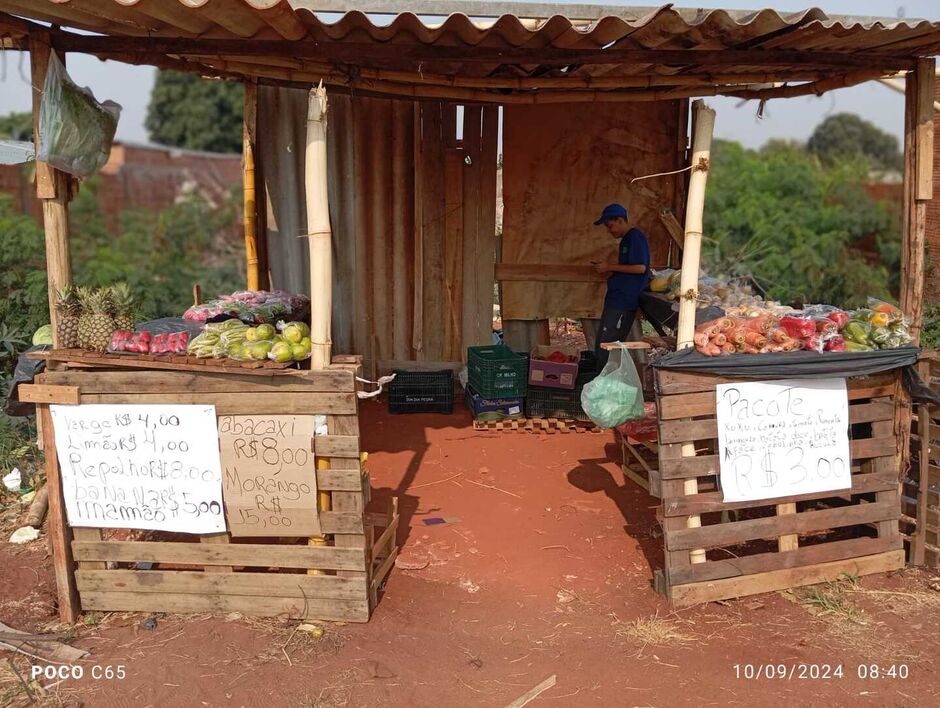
point(252, 306)
point(126, 341)
point(878, 326)
point(233, 339)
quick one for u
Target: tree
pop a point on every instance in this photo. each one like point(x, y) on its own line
point(197, 114)
point(846, 136)
point(780, 215)
point(16, 126)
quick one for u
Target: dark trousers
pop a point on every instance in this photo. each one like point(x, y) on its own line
point(614, 327)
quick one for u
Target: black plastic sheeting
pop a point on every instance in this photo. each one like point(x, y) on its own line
point(805, 365)
point(25, 372)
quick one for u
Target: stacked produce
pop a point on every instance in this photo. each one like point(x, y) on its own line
point(147, 343)
point(818, 328)
point(233, 339)
point(735, 296)
point(252, 306)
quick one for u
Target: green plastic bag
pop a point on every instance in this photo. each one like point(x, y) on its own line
point(616, 395)
point(75, 130)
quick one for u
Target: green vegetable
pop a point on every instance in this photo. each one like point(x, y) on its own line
point(43, 335)
point(879, 335)
point(856, 331)
point(851, 346)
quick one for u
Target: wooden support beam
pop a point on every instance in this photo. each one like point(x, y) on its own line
point(52, 187)
point(548, 273)
point(367, 52)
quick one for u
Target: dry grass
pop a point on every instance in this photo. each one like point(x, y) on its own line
point(337, 693)
point(653, 632)
point(289, 644)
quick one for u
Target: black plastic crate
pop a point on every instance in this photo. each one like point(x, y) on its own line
point(421, 392)
point(554, 403)
point(497, 372)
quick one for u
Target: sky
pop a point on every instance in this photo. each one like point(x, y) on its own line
point(793, 118)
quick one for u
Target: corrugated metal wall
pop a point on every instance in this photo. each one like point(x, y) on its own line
point(413, 218)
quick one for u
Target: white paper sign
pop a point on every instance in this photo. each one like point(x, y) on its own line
point(140, 467)
point(782, 438)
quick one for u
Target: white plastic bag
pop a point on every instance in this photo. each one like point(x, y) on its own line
point(75, 131)
point(616, 395)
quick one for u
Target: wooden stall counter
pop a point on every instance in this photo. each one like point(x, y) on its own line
point(333, 574)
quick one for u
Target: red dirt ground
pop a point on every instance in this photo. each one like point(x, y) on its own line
point(547, 572)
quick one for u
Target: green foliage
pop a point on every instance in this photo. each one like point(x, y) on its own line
point(197, 114)
point(160, 255)
point(779, 214)
point(930, 333)
point(23, 302)
point(846, 136)
point(16, 126)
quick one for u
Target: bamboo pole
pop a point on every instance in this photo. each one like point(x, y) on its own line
point(318, 229)
point(704, 118)
point(249, 185)
point(52, 187)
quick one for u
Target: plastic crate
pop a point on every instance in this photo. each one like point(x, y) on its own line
point(554, 403)
point(421, 392)
point(493, 408)
point(497, 371)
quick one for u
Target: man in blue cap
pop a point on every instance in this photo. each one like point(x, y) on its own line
point(627, 278)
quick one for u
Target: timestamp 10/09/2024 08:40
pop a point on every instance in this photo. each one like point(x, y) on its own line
point(819, 672)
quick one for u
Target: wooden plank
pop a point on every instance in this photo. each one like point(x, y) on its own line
point(430, 191)
point(339, 480)
point(713, 501)
point(476, 321)
point(349, 503)
point(216, 538)
point(241, 403)
point(923, 79)
point(691, 405)
point(57, 527)
point(670, 383)
point(686, 431)
point(295, 585)
point(672, 489)
point(323, 381)
point(85, 360)
point(775, 526)
point(44, 393)
point(337, 446)
point(453, 284)
point(92, 535)
point(548, 273)
point(707, 465)
point(764, 562)
point(256, 555)
point(695, 593)
point(303, 608)
point(887, 528)
point(485, 257)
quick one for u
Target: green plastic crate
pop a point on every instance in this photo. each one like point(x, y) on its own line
point(497, 371)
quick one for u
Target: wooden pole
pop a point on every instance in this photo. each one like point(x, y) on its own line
point(52, 187)
point(704, 118)
point(918, 190)
point(319, 233)
point(249, 184)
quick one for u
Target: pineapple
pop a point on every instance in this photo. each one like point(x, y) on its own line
point(68, 310)
point(124, 307)
point(96, 325)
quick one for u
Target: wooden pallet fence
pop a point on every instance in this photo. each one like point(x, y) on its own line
point(640, 463)
point(920, 500)
point(219, 573)
point(767, 545)
point(549, 426)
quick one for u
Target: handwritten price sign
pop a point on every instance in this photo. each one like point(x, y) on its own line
point(140, 467)
point(783, 438)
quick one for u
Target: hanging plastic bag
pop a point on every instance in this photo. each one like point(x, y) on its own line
point(616, 395)
point(75, 130)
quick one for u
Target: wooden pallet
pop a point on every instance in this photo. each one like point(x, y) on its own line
point(772, 544)
point(211, 573)
point(537, 425)
point(641, 463)
point(79, 358)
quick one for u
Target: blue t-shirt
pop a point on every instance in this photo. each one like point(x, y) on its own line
point(623, 289)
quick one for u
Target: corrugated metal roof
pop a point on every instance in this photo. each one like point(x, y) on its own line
point(482, 39)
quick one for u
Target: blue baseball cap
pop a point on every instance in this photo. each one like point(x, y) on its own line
point(611, 211)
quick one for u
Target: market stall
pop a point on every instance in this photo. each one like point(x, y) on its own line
point(414, 262)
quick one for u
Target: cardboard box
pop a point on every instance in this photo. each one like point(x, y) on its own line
point(548, 373)
point(493, 408)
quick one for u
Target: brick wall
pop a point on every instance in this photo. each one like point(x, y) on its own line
point(139, 177)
